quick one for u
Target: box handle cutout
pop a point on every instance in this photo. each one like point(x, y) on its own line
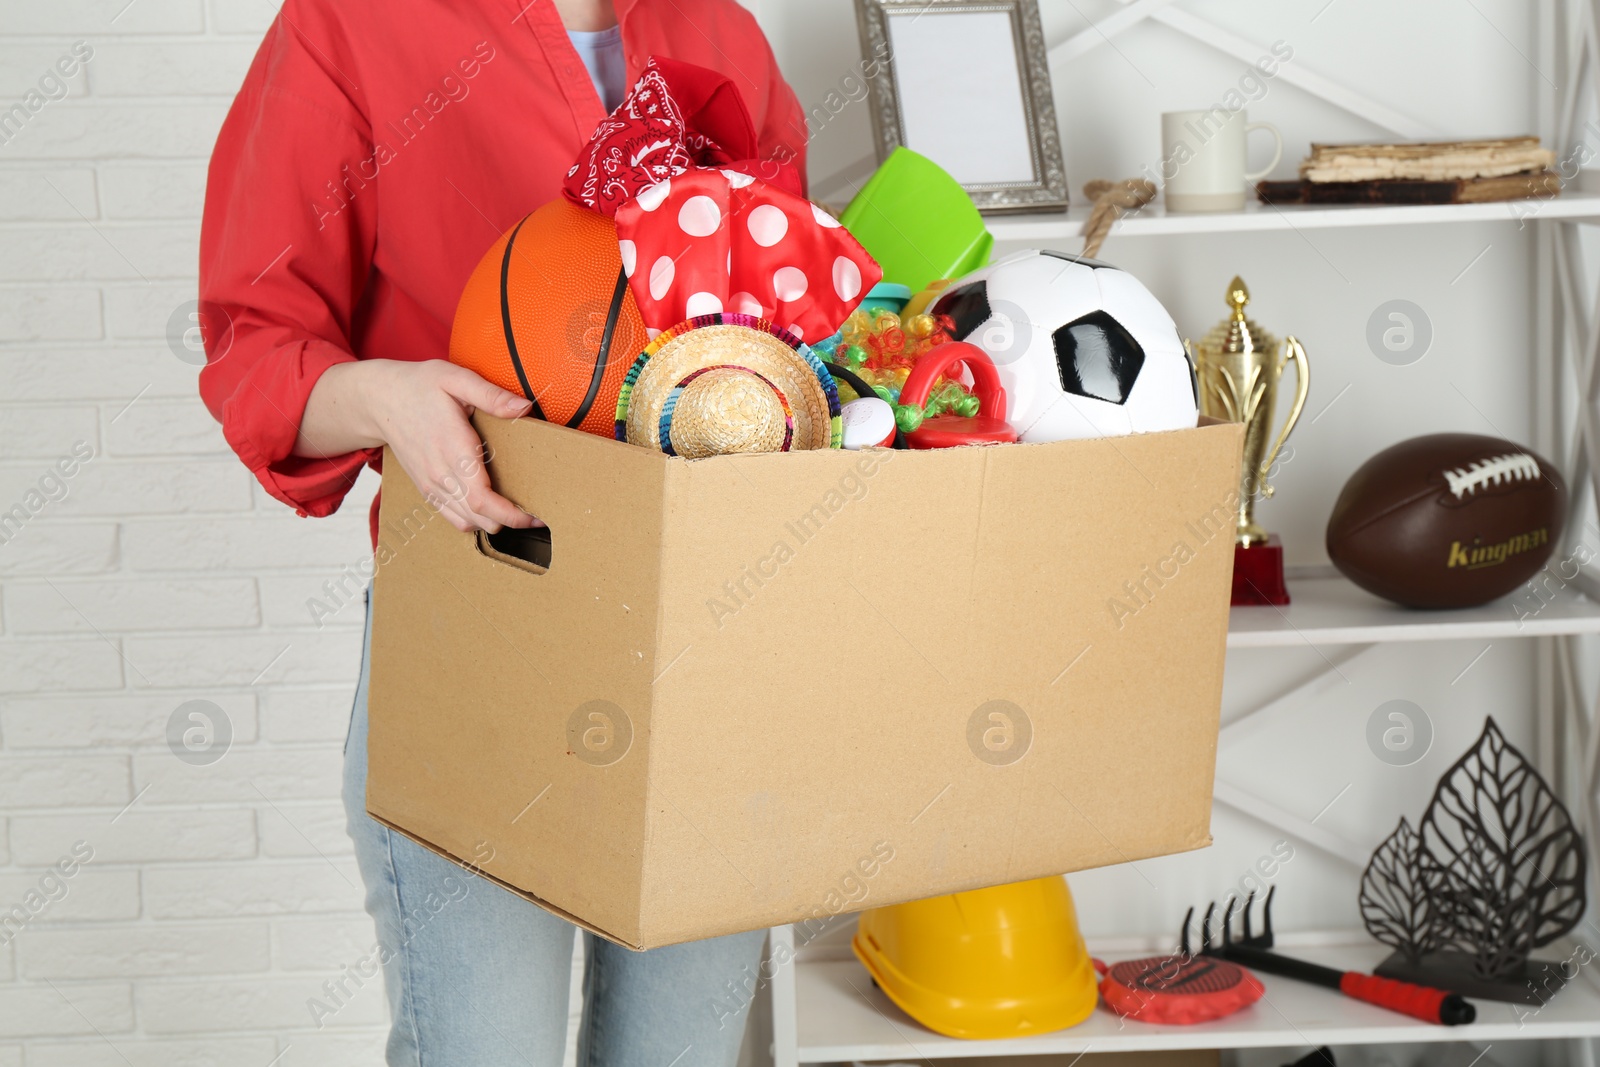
point(527, 550)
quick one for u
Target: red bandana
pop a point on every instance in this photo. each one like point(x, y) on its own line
point(677, 116)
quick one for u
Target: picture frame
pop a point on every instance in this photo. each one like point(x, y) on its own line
point(967, 84)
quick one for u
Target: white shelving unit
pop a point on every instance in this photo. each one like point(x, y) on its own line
point(1332, 611)
point(824, 1008)
point(1153, 221)
point(842, 1017)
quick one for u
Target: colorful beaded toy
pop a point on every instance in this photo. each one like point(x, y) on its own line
point(882, 349)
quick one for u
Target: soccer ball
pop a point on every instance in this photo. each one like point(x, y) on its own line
point(1082, 348)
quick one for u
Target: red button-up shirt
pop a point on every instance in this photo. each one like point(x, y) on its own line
point(376, 149)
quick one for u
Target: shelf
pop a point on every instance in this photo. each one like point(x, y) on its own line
point(842, 1017)
point(1154, 220)
point(1332, 611)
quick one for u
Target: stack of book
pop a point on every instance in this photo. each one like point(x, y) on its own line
point(1443, 172)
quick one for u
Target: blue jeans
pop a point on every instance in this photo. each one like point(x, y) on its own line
point(477, 977)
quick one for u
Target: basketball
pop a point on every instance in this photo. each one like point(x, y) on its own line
point(548, 314)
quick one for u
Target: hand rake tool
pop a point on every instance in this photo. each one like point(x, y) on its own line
point(1254, 950)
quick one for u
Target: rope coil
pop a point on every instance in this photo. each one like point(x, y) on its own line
point(1111, 201)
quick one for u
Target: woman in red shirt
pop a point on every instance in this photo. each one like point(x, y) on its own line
point(375, 150)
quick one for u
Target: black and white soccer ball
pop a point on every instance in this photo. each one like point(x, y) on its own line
point(1083, 349)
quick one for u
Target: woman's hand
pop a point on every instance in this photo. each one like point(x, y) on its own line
point(420, 411)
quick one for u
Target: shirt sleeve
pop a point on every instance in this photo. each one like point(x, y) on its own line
point(285, 248)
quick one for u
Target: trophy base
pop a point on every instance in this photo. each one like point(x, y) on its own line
point(1258, 574)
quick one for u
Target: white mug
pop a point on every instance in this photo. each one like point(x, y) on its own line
point(1203, 159)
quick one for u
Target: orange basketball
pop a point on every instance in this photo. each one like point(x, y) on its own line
point(548, 315)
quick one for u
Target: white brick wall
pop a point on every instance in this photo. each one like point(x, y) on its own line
point(218, 898)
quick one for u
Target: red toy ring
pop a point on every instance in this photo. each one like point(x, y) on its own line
point(947, 431)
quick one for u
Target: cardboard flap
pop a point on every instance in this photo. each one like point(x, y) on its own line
point(842, 617)
point(550, 673)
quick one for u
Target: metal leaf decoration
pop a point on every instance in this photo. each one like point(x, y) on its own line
point(1397, 898)
point(1500, 858)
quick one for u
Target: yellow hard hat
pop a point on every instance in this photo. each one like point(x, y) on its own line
point(990, 963)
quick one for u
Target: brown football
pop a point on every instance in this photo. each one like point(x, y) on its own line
point(1447, 521)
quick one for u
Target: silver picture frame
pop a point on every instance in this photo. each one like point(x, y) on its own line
point(995, 176)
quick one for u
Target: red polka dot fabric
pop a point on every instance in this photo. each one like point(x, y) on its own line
point(721, 240)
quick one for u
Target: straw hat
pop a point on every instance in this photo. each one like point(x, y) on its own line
point(723, 409)
point(725, 383)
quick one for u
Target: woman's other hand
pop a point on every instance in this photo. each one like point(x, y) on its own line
point(420, 411)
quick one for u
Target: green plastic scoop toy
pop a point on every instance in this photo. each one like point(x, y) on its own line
point(917, 222)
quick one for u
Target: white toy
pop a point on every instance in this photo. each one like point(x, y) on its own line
point(868, 423)
point(1083, 349)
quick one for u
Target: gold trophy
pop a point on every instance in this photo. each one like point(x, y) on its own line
point(1238, 365)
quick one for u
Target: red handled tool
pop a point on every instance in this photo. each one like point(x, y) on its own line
point(988, 427)
point(1420, 1002)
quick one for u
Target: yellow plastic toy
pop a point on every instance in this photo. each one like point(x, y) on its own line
point(990, 963)
point(919, 303)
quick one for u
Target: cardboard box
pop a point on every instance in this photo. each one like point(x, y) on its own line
point(756, 689)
